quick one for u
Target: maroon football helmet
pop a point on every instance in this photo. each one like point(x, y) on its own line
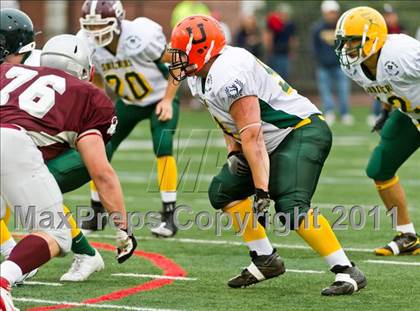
point(101, 19)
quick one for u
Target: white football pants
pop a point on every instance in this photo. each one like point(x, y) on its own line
point(30, 189)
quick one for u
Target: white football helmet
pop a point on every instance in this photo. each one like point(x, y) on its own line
point(70, 54)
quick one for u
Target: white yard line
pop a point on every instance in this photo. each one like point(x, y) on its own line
point(155, 276)
point(222, 242)
point(389, 262)
point(41, 283)
point(305, 271)
point(88, 305)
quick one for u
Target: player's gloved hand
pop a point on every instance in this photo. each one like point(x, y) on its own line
point(261, 201)
point(381, 121)
point(237, 164)
point(126, 244)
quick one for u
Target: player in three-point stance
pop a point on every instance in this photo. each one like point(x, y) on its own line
point(44, 111)
point(19, 48)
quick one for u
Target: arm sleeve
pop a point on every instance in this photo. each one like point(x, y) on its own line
point(235, 88)
point(100, 116)
point(155, 47)
point(411, 64)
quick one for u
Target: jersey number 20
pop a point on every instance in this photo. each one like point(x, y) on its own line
point(39, 97)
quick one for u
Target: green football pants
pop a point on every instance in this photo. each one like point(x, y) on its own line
point(68, 168)
point(295, 167)
point(399, 140)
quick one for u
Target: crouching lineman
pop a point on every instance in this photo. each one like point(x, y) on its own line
point(388, 67)
point(277, 143)
point(19, 47)
point(45, 111)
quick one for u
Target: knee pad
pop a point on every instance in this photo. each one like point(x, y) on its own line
point(293, 216)
point(162, 142)
point(63, 238)
point(377, 168)
point(217, 199)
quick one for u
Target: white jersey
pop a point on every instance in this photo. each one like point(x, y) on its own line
point(34, 58)
point(397, 75)
point(237, 73)
point(132, 73)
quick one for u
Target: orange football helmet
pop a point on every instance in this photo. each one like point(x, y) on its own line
point(194, 41)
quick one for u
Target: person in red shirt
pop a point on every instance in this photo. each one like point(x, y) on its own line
point(45, 111)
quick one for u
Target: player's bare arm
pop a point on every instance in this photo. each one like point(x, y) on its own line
point(164, 107)
point(231, 144)
point(92, 150)
point(246, 114)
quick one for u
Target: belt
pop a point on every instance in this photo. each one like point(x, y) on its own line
point(10, 126)
point(308, 120)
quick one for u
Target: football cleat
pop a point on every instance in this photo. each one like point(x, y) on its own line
point(167, 227)
point(6, 301)
point(82, 267)
point(262, 268)
point(93, 224)
point(26, 276)
point(348, 280)
point(402, 244)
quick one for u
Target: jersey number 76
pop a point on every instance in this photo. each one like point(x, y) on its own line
point(39, 97)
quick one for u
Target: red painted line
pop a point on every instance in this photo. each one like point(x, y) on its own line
point(169, 268)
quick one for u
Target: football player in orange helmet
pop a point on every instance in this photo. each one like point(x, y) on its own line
point(387, 67)
point(272, 134)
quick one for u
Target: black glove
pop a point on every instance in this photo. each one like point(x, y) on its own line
point(126, 245)
point(381, 121)
point(237, 164)
point(261, 204)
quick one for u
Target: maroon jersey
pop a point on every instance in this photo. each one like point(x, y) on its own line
point(55, 108)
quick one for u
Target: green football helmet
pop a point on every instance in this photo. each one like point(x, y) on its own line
point(17, 34)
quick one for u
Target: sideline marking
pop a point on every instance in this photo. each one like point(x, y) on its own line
point(222, 242)
point(89, 305)
point(155, 276)
point(169, 268)
point(386, 262)
point(41, 283)
point(305, 271)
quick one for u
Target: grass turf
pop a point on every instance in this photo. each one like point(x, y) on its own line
point(343, 182)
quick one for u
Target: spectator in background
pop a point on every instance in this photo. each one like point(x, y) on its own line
point(249, 36)
point(186, 8)
point(9, 4)
point(281, 41)
point(328, 70)
point(394, 26)
point(228, 35)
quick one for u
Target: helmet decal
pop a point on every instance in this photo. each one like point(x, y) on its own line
point(203, 34)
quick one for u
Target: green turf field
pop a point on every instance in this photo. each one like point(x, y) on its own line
point(209, 261)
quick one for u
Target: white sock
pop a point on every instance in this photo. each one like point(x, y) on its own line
point(338, 258)
point(6, 247)
point(168, 196)
point(10, 271)
point(262, 246)
point(94, 195)
point(408, 228)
